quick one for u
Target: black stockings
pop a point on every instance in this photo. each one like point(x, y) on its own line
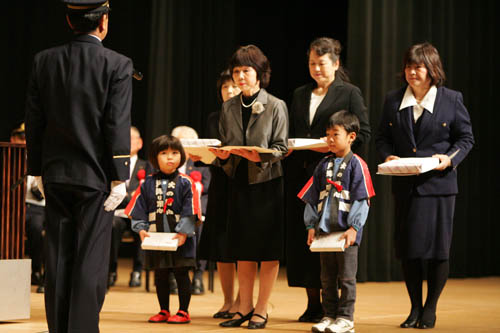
point(437, 274)
point(163, 287)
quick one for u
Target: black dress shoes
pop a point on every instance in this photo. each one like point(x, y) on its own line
point(238, 321)
point(413, 318)
point(135, 279)
point(410, 322)
point(111, 279)
point(255, 325)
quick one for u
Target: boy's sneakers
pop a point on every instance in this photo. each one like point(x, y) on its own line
point(181, 317)
point(323, 324)
point(161, 317)
point(341, 325)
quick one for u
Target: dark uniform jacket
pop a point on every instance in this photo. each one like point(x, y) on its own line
point(78, 114)
point(447, 130)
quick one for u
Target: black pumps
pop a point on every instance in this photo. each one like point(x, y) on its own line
point(255, 325)
point(238, 321)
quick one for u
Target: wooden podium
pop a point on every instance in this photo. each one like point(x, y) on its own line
point(15, 272)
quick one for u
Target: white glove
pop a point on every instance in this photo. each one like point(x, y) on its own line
point(39, 183)
point(118, 193)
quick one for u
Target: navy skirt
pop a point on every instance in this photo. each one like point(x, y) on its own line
point(424, 226)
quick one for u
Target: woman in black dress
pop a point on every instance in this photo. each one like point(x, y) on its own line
point(312, 106)
point(256, 199)
point(424, 119)
point(213, 242)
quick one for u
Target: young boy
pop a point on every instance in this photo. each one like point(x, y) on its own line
point(337, 198)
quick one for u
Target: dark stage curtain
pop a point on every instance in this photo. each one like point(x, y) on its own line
point(191, 41)
point(465, 33)
point(28, 27)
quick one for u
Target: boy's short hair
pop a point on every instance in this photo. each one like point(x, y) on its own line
point(162, 143)
point(346, 119)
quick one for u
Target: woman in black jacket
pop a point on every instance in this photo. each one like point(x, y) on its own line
point(312, 106)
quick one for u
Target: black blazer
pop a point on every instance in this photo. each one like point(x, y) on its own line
point(78, 114)
point(447, 130)
point(340, 96)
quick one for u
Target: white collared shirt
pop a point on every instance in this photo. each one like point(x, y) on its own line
point(427, 102)
point(95, 37)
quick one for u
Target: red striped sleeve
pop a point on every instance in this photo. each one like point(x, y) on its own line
point(305, 188)
point(367, 179)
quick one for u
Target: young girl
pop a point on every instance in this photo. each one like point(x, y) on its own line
point(168, 199)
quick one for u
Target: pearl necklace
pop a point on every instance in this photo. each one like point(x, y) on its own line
point(249, 105)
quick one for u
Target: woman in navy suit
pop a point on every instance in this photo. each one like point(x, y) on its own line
point(424, 119)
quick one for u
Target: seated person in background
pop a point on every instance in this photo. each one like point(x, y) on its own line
point(139, 169)
point(35, 219)
point(201, 177)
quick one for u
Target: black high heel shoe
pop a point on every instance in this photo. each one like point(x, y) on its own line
point(255, 325)
point(238, 321)
point(412, 320)
point(426, 323)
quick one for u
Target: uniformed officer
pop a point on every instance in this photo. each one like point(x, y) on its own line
point(78, 141)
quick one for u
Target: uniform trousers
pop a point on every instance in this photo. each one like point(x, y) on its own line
point(338, 271)
point(78, 239)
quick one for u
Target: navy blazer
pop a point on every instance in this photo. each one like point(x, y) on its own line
point(447, 130)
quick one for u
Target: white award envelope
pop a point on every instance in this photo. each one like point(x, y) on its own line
point(200, 147)
point(160, 241)
point(303, 144)
point(328, 243)
point(258, 149)
point(408, 166)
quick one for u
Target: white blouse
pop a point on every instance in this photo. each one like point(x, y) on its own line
point(313, 105)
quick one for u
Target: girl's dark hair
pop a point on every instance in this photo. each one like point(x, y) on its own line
point(162, 143)
point(252, 56)
point(332, 47)
point(85, 22)
point(223, 78)
point(346, 119)
point(428, 55)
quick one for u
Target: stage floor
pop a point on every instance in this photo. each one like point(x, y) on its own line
point(466, 305)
